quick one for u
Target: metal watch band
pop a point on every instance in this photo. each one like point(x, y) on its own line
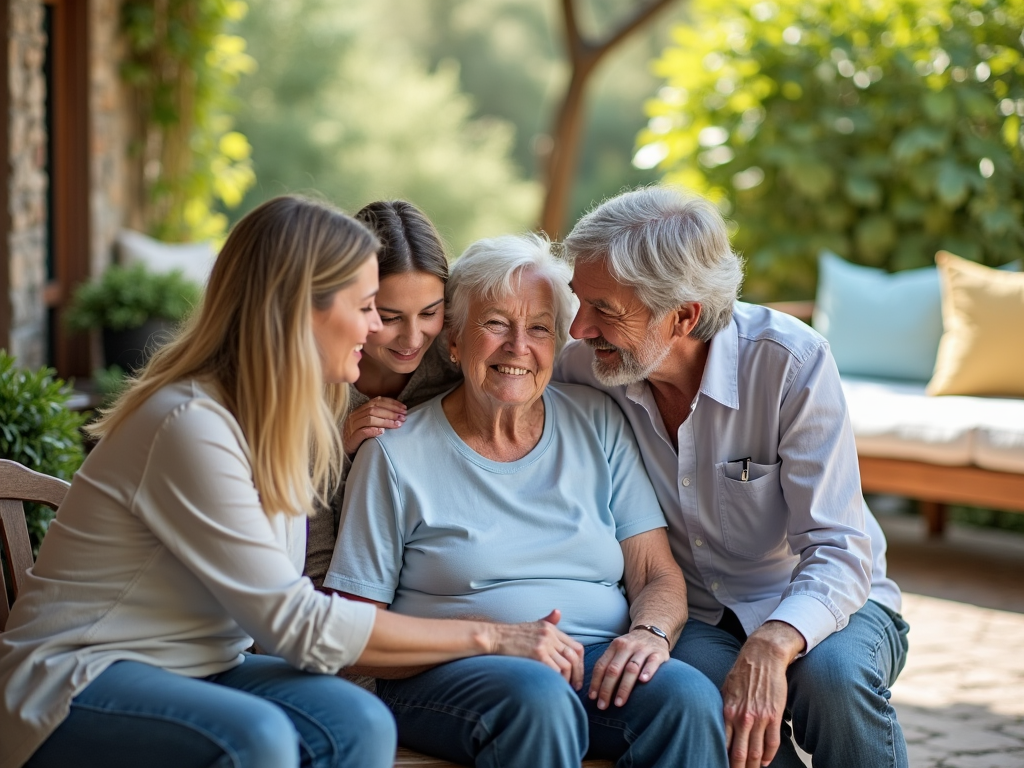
point(653, 630)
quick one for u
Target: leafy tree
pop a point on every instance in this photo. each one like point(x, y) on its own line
point(881, 129)
point(514, 64)
point(344, 107)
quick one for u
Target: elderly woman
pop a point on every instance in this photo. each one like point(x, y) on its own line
point(507, 496)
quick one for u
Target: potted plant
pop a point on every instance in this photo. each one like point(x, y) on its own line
point(133, 307)
point(38, 430)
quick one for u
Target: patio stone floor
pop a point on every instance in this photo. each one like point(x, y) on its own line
point(961, 696)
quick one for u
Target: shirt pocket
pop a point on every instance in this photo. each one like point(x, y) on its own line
point(752, 513)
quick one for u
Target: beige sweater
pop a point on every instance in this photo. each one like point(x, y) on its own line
point(161, 553)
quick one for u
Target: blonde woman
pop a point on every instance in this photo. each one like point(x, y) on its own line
point(182, 538)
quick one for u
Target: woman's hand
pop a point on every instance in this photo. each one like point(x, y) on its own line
point(370, 420)
point(629, 658)
point(542, 641)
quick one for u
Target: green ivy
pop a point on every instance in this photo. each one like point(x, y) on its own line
point(883, 130)
point(181, 68)
point(37, 430)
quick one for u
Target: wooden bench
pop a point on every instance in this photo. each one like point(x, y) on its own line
point(406, 758)
point(934, 486)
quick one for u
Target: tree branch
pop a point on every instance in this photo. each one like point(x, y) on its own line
point(638, 20)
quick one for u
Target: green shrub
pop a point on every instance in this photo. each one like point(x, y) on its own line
point(109, 383)
point(883, 130)
point(37, 430)
point(126, 297)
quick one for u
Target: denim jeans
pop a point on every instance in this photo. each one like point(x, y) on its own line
point(838, 693)
point(261, 714)
point(499, 712)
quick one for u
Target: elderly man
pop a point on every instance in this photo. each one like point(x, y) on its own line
point(744, 431)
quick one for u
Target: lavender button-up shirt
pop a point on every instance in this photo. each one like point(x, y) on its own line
point(792, 542)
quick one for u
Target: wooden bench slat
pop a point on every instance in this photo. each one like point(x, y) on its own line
point(406, 758)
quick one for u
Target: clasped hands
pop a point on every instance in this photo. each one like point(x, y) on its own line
point(629, 658)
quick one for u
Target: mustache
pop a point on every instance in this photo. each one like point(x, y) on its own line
point(600, 343)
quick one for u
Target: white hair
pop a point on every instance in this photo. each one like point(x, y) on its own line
point(671, 247)
point(492, 268)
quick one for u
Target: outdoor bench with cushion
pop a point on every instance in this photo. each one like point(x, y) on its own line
point(932, 366)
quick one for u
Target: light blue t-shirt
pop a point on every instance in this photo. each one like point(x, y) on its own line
point(437, 530)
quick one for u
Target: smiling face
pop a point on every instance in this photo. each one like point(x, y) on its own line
point(411, 307)
point(507, 348)
point(341, 328)
point(629, 343)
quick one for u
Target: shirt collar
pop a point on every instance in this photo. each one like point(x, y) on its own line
point(721, 371)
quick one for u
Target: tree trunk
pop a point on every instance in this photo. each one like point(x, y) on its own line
point(584, 56)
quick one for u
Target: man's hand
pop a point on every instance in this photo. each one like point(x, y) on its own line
point(629, 658)
point(755, 693)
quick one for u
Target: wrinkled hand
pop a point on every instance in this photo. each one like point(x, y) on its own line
point(544, 642)
point(370, 420)
point(629, 658)
point(754, 695)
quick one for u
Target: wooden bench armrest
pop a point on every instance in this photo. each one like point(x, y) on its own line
point(801, 310)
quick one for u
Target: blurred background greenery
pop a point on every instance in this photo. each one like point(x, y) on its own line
point(883, 130)
point(448, 103)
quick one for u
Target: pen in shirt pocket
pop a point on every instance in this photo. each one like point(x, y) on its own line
point(745, 472)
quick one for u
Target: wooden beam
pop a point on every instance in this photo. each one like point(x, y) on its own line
point(70, 175)
point(972, 486)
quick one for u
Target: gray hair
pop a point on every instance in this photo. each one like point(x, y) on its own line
point(671, 247)
point(492, 268)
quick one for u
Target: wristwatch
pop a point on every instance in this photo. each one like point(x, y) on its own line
point(654, 631)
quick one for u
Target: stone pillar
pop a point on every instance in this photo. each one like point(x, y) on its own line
point(109, 122)
point(27, 182)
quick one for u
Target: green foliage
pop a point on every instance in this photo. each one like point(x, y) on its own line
point(182, 68)
point(883, 130)
point(445, 102)
point(126, 297)
point(37, 430)
point(513, 65)
point(109, 383)
point(344, 107)
point(988, 518)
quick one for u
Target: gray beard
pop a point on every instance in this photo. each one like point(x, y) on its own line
point(630, 368)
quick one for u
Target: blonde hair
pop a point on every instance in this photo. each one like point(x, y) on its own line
point(252, 337)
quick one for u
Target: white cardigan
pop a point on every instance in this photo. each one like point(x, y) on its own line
point(162, 553)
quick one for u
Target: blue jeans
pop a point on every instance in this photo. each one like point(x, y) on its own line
point(838, 693)
point(261, 714)
point(501, 711)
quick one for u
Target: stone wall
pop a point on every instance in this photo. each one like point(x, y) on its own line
point(27, 181)
point(109, 125)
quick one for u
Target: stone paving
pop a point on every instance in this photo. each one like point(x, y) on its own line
point(961, 696)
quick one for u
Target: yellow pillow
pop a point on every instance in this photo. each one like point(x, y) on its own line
point(981, 351)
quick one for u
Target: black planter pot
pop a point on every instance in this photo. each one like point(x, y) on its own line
point(131, 348)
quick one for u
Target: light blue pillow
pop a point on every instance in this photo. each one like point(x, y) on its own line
point(877, 323)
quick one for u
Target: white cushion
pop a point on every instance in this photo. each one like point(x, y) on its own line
point(194, 259)
point(897, 420)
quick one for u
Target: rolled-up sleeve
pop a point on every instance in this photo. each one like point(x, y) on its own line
point(198, 497)
point(821, 483)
